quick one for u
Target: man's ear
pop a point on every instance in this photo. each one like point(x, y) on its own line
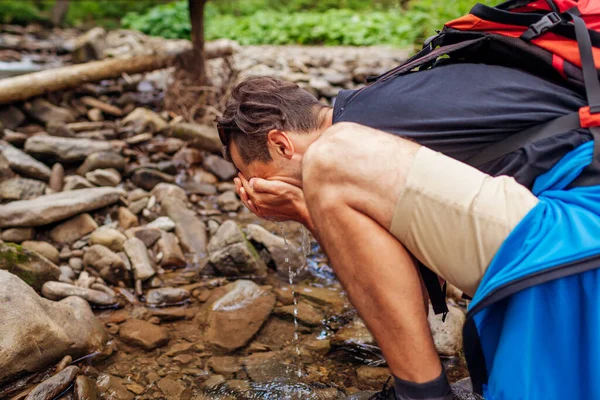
point(281, 143)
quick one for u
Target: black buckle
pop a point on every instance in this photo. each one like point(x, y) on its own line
point(545, 23)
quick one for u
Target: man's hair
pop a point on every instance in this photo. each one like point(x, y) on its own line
point(261, 104)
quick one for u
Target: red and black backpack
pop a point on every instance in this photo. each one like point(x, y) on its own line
point(554, 39)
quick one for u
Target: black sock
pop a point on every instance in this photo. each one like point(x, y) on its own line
point(437, 389)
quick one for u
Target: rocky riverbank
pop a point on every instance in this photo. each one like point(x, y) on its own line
point(130, 269)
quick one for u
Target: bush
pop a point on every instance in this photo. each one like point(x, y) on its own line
point(307, 22)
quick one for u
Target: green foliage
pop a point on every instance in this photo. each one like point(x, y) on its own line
point(19, 12)
point(308, 22)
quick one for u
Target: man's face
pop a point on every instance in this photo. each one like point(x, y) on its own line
point(255, 169)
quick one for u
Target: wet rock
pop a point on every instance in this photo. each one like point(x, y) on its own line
point(166, 190)
point(102, 160)
point(317, 346)
point(147, 178)
point(61, 290)
point(266, 367)
point(306, 314)
point(276, 247)
point(57, 177)
point(11, 117)
point(173, 256)
point(232, 255)
point(167, 146)
point(167, 296)
point(104, 177)
point(229, 201)
point(73, 229)
point(86, 389)
point(143, 120)
point(372, 377)
point(234, 314)
point(203, 137)
point(224, 170)
point(162, 223)
point(143, 334)
point(109, 237)
point(75, 182)
point(109, 265)
point(21, 189)
point(52, 387)
point(23, 163)
point(138, 256)
point(447, 336)
point(34, 269)
point(18, 235)
point(328, 297)
point(56, 207)
point(189, 228)
point(127, 219)
point(45, 111)
point(147, 235)
point(113, 388)
point(42, 248)
point(226, 366)
point(171, 388)
point(64, 149)
point(463, 390)
point(30, 323)
point(355, 332)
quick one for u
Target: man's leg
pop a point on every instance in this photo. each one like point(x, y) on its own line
point(383, 285)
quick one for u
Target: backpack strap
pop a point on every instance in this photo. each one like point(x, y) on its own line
point(518, 140)
point(436, 292)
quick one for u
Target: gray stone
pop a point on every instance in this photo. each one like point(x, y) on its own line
point(447, 336)
point(61, 290)
point(337, 78)
point(232, 255)
point(33, 268)
point(203, 137)
point(323, 87)
point(276, 247)
point(42, 248)
point(143, 334)
point(234, 313)
point(55, 385)
point(76, 182)
point(104, 177)
point(108, 264)
point(140, 261)
point(21, 189)
point(18, 235)
point(224, 170)
point(73, 229)
point(228, 201)
point(64, 149)
point(103, 159)
point(463, 390)
point(147, 178)
point(173, 256)
point(166, 190)
point(56, 207)
point(189, 228)
point(57, 178)
point(167, 296)
point(23, 163)
point(38, 333)
point(67, 274)
point(143, 120)
point(44, 111)
point(109, 237)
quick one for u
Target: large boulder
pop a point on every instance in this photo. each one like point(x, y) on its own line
point(231, 254)
point(37, 333)
point(23, 163)
point(234, 313)
point(284, 256)
point(30, 266)
point(51, 208)
point(64, 149)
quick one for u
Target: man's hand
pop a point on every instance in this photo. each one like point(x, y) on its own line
point(273, 199)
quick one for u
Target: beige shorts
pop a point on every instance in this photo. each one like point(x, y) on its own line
point(454, 218)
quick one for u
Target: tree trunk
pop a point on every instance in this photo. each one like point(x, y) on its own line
point(38, 83)
point(59, 12)
point(195, 62)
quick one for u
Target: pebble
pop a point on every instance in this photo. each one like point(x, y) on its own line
point(44, 249)
point(143, 334)
point(127, 219)
point(18, 235)
point(73, 229)
point(163, 223)
point(167, 296)
point(60, 290)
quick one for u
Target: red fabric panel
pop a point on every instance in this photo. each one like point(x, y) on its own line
point(587, 119)
point(559, 65)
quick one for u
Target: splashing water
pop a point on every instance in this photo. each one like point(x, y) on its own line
point(292, 275)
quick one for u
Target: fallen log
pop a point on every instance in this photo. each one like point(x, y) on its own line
point(38, 83)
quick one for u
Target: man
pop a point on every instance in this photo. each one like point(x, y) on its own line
point(366, 179)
